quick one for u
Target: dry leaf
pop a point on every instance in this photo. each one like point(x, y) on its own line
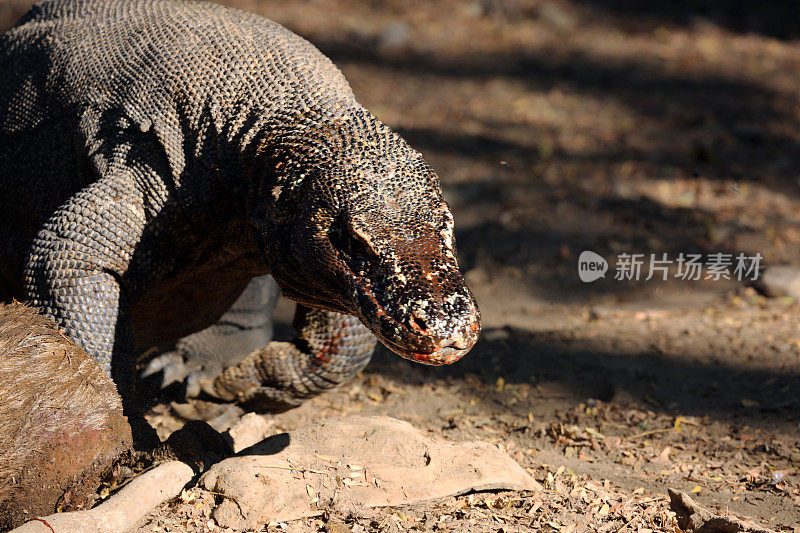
point(664, 455)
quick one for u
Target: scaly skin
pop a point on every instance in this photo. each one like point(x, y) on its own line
point(329, 348)
point(156, 156)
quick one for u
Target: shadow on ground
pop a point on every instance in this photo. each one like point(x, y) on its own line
point(773, 18)
point(717, 125)
point(669, 383)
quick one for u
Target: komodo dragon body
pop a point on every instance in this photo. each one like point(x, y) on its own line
point(159, 158)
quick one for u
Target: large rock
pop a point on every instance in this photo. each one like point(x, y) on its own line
point(781, 280)
point(353, 462)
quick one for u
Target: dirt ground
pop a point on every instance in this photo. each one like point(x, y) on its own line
point(561, 126)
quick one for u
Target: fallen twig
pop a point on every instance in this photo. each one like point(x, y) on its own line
point(647, 433)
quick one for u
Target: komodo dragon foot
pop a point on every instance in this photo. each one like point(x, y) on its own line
point(234, 360)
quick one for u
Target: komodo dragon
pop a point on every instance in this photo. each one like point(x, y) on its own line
point(158, 158)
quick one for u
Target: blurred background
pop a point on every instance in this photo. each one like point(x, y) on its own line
point(616, 126)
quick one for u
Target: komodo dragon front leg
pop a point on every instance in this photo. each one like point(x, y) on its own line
point(73, 273)
point(329, 348)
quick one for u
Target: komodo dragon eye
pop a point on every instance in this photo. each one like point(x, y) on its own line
point(355, 252)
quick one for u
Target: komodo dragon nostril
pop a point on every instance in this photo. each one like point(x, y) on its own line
point(418, 321)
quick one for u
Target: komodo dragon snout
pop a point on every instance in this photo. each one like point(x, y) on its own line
point(374, 238)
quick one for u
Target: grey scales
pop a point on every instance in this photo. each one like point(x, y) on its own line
point(163, 161)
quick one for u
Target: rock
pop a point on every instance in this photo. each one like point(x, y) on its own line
point(781, 280)
point(250, 430)
point(228, 513)
point(394, 38)
point(353, 462)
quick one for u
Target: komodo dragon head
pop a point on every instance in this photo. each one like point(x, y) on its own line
point(364, 230)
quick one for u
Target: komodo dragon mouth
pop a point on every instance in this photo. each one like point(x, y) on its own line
point(414, 299)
